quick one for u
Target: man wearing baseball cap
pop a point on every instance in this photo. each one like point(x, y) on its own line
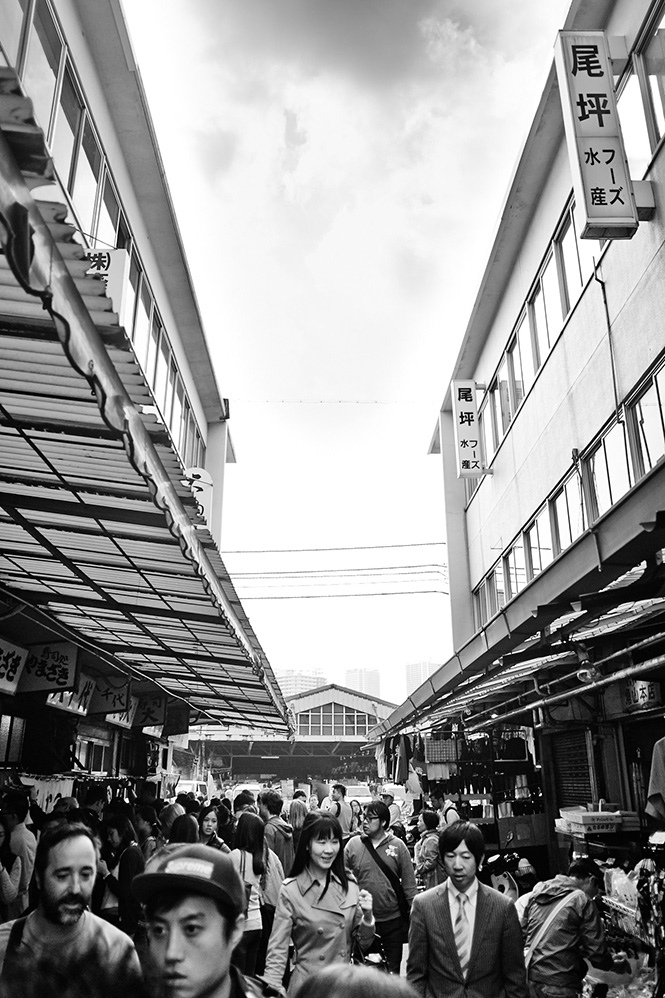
point(194, 906)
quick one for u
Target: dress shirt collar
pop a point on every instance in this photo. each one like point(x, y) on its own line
point(471, 894)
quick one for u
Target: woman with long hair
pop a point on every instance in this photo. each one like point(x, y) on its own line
point(208, 820)
point(426, 857)
point(148, 830)
point(356, 817)
point(122, 839)
point(184, 829)
point(248, 858)
point(10, 873)
point(297, 815)
point(311, 901)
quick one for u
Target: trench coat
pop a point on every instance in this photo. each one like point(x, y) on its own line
point(321, 928)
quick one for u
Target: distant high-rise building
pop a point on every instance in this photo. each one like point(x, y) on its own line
point(364, 680)
point(291, 681)
point(417, 673)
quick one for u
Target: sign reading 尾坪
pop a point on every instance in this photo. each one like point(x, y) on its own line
point(604, 197)
point(468, 448)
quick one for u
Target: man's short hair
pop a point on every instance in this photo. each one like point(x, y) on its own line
point(300, 795)
point(16, 803)
point(584, 867)
point(377, 809)
point(272, 801)
point(453, 835)
point(242, 800)
point(54, 835)
point(191, 869)
point(340, 787)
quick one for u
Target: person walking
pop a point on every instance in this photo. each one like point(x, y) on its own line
point(465, 938)
point(194, 903)
point(297, 815)
point(382, 866)
point(62, 933)
point(248, 859)
point(122, 839)
point(321, 909)
point(279, 834)
point(15, 807)
point(208, 825)
point(562, 930)
point(10, 872)
point(341, 809)
point(427, 856)
point(147, 830)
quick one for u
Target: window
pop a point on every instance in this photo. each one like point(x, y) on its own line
point(515, 568)
point(42, 63)
point(142, 324)
point(504, 412)
point(570, 262)
point(66, 129)
point(86, 178)
point(539, 543)
point(654, 65)
point(486, 430)
point(109, 216)
point(634, 127)
point(607, 469)
point(647, 418)
point(521, 354)
point(538, 320)
point(11, 738)
point(11, 22)
point(552, 298)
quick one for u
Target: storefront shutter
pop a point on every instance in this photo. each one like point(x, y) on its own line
point(571, 768)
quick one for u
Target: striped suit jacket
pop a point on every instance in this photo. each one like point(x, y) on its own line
point(496, 965)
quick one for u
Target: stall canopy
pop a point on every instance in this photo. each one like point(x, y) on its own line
point(101, 533)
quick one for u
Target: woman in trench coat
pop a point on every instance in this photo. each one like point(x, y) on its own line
point(320, 909)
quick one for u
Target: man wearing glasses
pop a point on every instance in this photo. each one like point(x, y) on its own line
point(382, 865)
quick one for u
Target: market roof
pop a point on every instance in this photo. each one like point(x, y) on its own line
point(99, 527)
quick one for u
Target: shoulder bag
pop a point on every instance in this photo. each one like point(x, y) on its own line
point(394, 880)
point(540, 934)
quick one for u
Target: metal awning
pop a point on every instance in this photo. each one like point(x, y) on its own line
point(99, 528)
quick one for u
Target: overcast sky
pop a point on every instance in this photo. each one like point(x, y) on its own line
point(337, 168)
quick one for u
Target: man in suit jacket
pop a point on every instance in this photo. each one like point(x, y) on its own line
point(470, 947)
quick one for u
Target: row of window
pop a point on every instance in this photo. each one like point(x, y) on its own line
point(32, 42)
point(623, 454)
point(334, 719)
point(569, 260)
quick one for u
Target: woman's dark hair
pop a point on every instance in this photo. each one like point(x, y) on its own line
point(184, 829)
point(358, 805)
point(341, 981)
point(250, 837)
point(148, 814)
point(7, 857)
point(204, 812)
point(124, 828)
point(462, 831)
point(321, 825)
point(430, 820)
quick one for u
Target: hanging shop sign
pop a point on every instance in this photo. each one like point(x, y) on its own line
point(12, 662)
point(151, 711)
point(640, 693)
point(125, 718)
point(111, 695)
point(177, 720)
point(49, 667)
point(468, 449)
point(74, 701)
point(113, 266)
point(604, 196)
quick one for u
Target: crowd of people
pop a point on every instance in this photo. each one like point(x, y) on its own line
point(225, 900)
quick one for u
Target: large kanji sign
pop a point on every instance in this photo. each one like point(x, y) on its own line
point(604, 197)
point(468, 448)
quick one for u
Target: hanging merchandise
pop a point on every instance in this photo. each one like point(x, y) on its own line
point(656, 793)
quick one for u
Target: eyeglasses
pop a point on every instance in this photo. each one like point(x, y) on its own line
point(371, 817)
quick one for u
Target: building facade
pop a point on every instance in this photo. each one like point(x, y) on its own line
point(555, 546)
point(119, 623)
point(364, 680)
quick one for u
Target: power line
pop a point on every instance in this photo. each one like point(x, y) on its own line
point(313, 583)
point(358, 547)
point(375, 569)
point(407, 592)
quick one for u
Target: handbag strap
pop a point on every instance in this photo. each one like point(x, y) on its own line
point(394, 880)
point(528, 954)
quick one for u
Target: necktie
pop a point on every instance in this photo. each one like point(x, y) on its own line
point(462, 934)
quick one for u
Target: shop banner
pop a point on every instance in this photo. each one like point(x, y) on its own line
point(604, 200)
point(12, 662)
point(641, 693)
point(177, 720)
point(49, 792)
point(151, 711)
point(49, 667)
point(468, 446)
point(74, 701)
point(125, 718)
point(111, 695)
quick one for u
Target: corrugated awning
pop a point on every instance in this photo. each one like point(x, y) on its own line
point(99, 528)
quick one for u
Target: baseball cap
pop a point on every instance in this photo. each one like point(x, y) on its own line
point(192, 869)
point(386, 792)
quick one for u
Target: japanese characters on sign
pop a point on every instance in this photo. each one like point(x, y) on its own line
point(467, 431)
point(604, 197)
point(125, 718)
point(112, 266)
point(74, 701)
point(111, 695)
point(640, 693)
point(12, 661)
point(49, 667)
point(151, 711)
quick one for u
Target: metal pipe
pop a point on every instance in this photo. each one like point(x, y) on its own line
point(616, 677)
